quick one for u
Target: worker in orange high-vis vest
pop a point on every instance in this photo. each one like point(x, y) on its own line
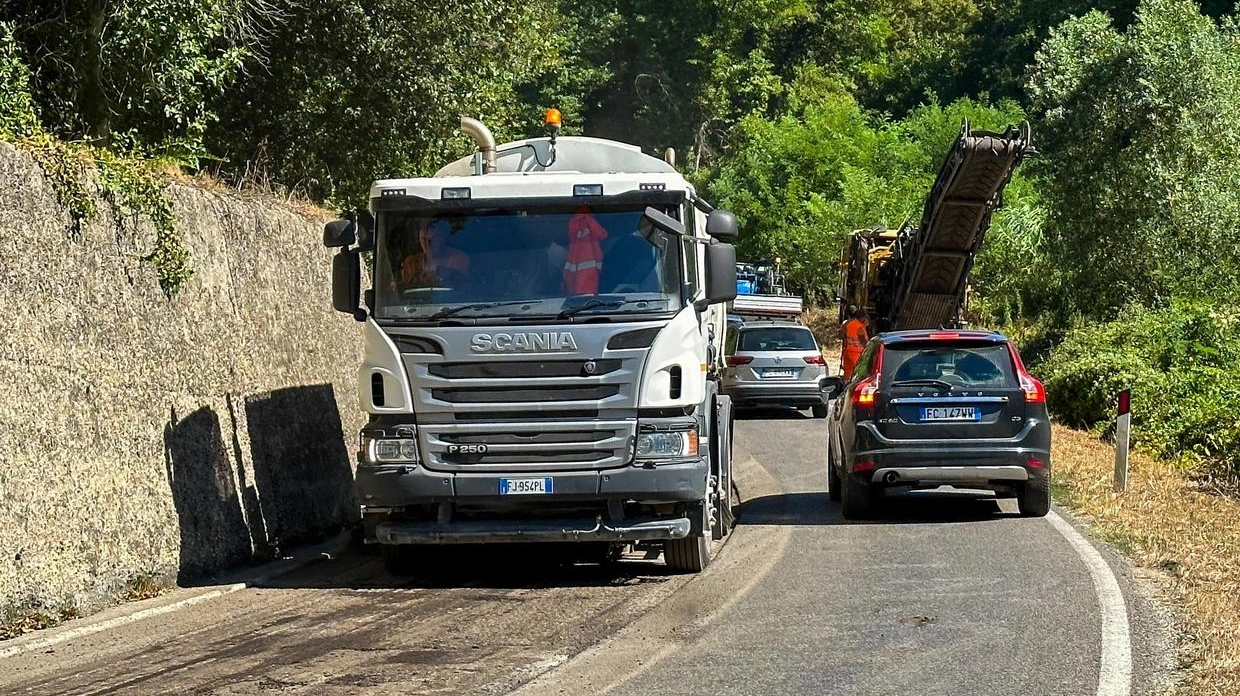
point(854, 333)
point(585, 255)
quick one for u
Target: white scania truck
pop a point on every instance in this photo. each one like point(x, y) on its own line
point(543, 343)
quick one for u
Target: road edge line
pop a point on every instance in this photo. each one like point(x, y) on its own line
point(255, 578)
point(1115, 660)
point(90, 629)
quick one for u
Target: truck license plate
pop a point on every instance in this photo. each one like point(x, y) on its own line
point(525, 486)
point(950, 413)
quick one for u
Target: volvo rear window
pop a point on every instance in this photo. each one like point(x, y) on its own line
point(984, 365)
point(775, 338)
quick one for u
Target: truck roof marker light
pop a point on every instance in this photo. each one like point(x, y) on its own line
point(460, 193)
point(587, 189)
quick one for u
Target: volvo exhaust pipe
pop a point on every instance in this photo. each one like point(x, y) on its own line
point(481, 135)
point(890, 477)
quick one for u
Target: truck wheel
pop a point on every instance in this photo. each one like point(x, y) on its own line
point(692, 553)
point(858, 499)
point(399, 559)
point(1034, 499)
point(688, 555)
point(819, 410)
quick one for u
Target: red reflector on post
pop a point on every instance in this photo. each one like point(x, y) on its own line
point(1125, 402)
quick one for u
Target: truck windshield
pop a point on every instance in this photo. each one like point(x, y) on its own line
point(522, 263)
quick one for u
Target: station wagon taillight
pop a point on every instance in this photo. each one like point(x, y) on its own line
point(1035, 393)
point(863, 393)
point(815, 360)
point(735, 360)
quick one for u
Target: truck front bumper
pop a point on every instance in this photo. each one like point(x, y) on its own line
point(507, 531)
point(395, 485)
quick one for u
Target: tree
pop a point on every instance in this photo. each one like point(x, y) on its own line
point(139, 72)
point(1142, 137)
point(360, 90)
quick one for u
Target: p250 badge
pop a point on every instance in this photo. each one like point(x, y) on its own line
point(467, 449)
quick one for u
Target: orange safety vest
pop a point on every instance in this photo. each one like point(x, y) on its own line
point(585, 256)
point(855, 335)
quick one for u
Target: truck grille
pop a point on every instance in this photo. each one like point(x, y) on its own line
point(541, 446)
point(532, 414)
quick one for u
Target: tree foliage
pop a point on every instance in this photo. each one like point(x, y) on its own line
point(1142, 133)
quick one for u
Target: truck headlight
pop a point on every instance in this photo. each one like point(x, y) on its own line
point(391, 450)
point(667, 445)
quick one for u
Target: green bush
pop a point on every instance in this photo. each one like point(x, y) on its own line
point(1182, 364)
point(17, 115)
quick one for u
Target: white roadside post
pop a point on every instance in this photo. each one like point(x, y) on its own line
point(1123, 430)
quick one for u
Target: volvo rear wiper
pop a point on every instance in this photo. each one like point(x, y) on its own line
point(449, 311)
point(927, 381)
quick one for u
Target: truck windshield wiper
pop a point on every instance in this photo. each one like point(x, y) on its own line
point(449, 311)
point(592, 304)
point(935, 382)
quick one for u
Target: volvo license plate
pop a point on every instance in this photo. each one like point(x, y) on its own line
point(950, 413)
point(525, 486)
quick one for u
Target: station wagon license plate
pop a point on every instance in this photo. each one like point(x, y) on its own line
point(779, 373)
point(950, 413)
point(525, 486)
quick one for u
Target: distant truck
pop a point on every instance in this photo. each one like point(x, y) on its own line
point(761, 292)
point(542, 350)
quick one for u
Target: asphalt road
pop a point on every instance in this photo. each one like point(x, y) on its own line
point(946, 594)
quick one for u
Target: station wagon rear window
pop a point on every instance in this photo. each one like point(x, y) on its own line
point(979, 366)
point(775, 338)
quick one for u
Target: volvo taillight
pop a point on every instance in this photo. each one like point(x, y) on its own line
point(863, 394)
point(1035, 393)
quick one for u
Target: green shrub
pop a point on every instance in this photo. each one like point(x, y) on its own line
point(1182, 364)
point(17, 115)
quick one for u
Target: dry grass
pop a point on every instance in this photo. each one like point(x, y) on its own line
point(1167, 522)
point(825, 324)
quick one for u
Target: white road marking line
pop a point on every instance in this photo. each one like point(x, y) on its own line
point(1115, 670)
point(70, 634)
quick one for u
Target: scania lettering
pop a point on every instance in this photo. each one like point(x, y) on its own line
point(522, 342)
point(542, 348)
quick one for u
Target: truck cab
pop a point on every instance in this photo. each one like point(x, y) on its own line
point(542, 348)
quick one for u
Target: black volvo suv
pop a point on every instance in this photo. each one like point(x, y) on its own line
point(931, 408)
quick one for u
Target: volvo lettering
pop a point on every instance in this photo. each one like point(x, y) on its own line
point(542, 352)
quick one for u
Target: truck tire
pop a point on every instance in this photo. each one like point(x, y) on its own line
point(692, 553)
point(399, 559)
point(688, 555)
point(858, 499)
point(819, 410)
point(1034, 499)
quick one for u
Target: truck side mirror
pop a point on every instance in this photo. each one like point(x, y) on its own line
point(339, 233)
point(720, 273)
point(347, 282)
point(721, 224)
